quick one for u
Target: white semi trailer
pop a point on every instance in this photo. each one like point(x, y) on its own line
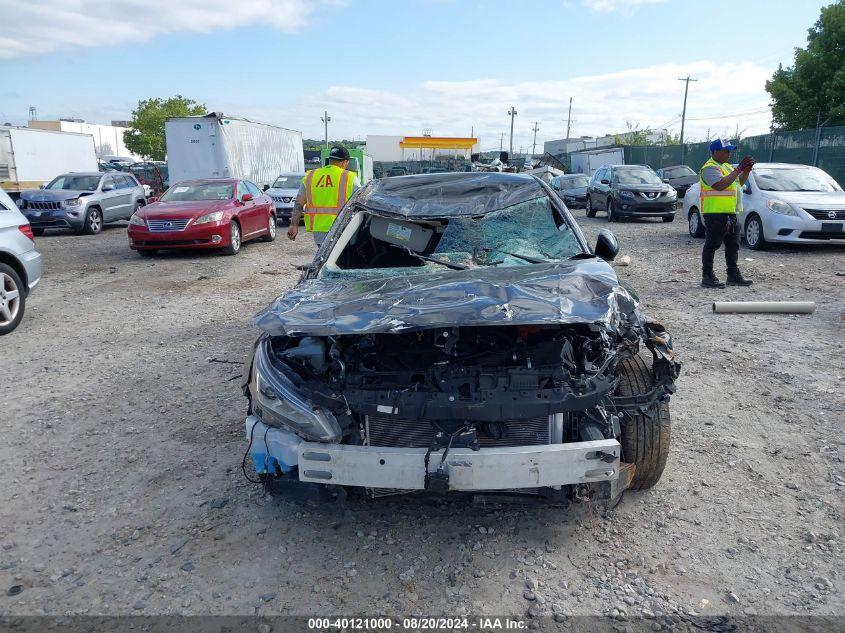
point(217, 146)
point(30, 158)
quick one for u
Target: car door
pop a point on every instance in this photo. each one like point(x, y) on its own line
point(597, 197)
point(245, 209)
point(109, 198)
point(260, 210)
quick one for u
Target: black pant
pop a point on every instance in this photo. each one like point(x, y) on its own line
point(720, 227)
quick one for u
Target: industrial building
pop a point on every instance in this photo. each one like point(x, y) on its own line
point(400, 148)
point(108, 139)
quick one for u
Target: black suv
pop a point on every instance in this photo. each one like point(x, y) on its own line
point(632, 191)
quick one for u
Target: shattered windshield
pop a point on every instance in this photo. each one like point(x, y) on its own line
point(520, 235)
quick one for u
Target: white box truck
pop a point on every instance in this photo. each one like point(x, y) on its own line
point(217, 146)
point(588, 161)
point(30, 158)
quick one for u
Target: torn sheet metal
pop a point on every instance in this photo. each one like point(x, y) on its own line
point(584, 291)
point(448, 195)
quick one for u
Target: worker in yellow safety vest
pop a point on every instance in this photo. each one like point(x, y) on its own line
point(720, 200)
point(322, 194)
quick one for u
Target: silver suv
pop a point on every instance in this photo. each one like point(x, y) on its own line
point(82, 202)
point(20, 264)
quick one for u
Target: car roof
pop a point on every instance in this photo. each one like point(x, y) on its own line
point(449, 194)
point(197, 181)
point(82, 173)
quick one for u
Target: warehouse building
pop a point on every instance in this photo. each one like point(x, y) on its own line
point(108, 139)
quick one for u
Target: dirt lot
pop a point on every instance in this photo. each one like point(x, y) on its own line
point(122, 490)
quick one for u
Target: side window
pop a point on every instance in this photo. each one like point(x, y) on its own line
point(253, 188)
point(131, 182)
point(122, 182)
point(242, 189)
point(108, 180)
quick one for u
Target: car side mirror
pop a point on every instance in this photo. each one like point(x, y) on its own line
point(605, 181)
point(247, 197)
point(108, 187)
point(152, 199)
point(665, 180)
point(266, 187)
point(746, 188)
point(606, 246)
point(42, 186)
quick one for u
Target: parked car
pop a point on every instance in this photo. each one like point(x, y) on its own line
point(681, 177)
point(397, 170)
point(630, 191)
point(20, 264)
point(455, 332)
point(283, 191)
point(82, 201)
point(573, 189)
point(783, 203)
point(220, 213)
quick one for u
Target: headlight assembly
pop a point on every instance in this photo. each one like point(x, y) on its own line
point(779, 206)
point(73, 202)
point(626, 194)
point(277, 401)
point(209, 217)
point(137, 220)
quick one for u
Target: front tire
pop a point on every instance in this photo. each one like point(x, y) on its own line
point(271, 229)
point(234, 246)
point(668, 218)
point(696, 225)
point(588, 207)
point(12, 299)
point(753, 234)
point(93, 222)
point(645, 436)
point(611, 216)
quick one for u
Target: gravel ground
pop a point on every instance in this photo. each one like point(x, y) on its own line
point(122, 489)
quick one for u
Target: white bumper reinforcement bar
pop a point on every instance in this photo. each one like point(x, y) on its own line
point(502, 468)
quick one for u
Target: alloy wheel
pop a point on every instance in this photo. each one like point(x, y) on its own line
point(271, 225)
point(235, 237)
point(10, 300)
point(752, 232)
point(95, 221)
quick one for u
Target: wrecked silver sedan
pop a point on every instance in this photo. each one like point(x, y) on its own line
point(455, 332)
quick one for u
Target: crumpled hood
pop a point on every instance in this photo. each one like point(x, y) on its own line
point(48, 195)
point(584, 291)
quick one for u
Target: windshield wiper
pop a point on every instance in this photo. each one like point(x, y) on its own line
point(526, 258)
point(451, 265)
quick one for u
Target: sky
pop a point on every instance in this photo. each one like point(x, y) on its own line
point(453, 67)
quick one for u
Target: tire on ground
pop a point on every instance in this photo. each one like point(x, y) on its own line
point(645, 437)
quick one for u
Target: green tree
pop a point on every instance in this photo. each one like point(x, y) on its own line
point(145, 135)
point(815, 85)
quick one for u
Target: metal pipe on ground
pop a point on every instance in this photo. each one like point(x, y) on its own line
point(764, 307)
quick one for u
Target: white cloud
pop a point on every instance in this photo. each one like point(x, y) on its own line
point(724, 97)
point(39, 26)
point(605, 6)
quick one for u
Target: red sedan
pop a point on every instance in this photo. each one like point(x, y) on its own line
point(214, 213)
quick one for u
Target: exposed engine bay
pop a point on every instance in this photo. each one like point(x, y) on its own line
point(467, 386)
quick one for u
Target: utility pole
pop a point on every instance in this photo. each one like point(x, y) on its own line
point(569, 117)
point(687, 79)
point(512, 113)
point(501, 141)
point(534, 146)
point(325, 119)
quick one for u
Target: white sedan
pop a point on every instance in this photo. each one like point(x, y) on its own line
point(783, 203)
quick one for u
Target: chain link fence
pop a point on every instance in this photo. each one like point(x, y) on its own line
point(823, 147)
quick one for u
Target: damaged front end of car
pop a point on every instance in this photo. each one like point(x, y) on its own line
point(528, 380)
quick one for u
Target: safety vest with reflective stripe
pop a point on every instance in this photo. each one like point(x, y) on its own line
point(713, 201)
point(326, 191)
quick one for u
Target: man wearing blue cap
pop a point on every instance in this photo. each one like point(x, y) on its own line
point(720, 201)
